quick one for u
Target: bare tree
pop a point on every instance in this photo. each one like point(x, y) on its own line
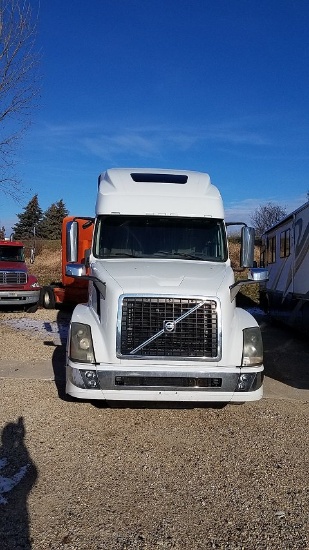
point(265, 216)
point(19, 83)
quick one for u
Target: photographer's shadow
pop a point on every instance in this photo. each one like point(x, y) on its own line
point(18, 475)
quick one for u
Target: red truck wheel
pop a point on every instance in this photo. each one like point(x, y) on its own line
point(47, 298)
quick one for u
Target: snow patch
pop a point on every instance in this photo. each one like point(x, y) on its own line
point(55, 331)
point(8, 483)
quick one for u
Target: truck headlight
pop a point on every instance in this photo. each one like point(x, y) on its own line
point(252, 354)
point(81, 346)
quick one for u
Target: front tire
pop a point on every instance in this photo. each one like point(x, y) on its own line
point(47, 298)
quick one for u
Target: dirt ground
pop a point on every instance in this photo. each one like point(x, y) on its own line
point(146, 478)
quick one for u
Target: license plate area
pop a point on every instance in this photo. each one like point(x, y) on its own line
point(174, 382)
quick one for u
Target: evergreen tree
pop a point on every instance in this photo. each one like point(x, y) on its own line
point(50, 225)
point(28, 220)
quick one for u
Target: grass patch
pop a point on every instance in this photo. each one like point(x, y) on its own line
point(47, 263)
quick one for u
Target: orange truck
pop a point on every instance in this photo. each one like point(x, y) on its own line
point(69, 290)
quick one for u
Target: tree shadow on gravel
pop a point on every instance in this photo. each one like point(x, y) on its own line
point(286, 351)
point(18, 475)
point(161, 405)
point(58, 359)
point(286, 354)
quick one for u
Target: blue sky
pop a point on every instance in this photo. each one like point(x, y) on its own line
point(219, 86)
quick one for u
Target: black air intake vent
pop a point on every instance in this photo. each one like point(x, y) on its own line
point(159, 178)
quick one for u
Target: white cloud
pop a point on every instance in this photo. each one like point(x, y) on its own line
point(143, 140)
point(242, 210)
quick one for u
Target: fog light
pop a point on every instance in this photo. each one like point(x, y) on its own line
point(245, 382)
point(84, 379)
point(90, 379)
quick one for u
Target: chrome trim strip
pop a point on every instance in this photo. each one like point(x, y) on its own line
point(107, 380)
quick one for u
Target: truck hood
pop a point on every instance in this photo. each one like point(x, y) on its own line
point(12, 266)
point(161, 276)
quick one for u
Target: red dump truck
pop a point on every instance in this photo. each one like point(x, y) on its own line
point(17, 287)
point(68, 290)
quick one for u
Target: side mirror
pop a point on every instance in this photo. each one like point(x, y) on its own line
point(255, 275)
point(75, 270)
point(258, 274)
point(72, 241)
point(247, 246)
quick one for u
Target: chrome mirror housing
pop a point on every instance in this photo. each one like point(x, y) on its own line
point(75, 270)
point(258, 274)
point(72, 241)
point(247, 246)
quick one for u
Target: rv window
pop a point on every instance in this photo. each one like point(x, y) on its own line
point(285, 243)
point(271, 250)
point(263, 257)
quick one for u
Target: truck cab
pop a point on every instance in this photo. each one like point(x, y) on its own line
point(70, 291)
point(161, 322)
point(17, 287)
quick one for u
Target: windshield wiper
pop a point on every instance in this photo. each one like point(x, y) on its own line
point(124, 255)
point(162, 253)
point(178, 255)
point(189, 256)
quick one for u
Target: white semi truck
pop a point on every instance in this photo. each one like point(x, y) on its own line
point(161, 323)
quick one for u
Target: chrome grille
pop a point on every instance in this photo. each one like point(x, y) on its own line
point(194, 324)
point(13, 277)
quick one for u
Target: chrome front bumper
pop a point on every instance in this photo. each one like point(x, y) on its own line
point(224, 384)
point(19, 297)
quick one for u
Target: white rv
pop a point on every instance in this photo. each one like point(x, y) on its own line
point(285, 252)
point(161, 323)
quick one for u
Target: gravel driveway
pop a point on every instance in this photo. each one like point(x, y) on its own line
point(144, 478)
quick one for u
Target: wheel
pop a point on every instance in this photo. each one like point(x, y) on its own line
point(47, 297)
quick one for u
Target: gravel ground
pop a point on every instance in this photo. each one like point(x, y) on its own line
point(34, 334)
point(139, 477)
point(153, 478)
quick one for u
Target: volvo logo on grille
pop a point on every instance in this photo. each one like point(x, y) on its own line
point(169, 326)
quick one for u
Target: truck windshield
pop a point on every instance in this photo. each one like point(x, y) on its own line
point(119, 236)
point(12, 254)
